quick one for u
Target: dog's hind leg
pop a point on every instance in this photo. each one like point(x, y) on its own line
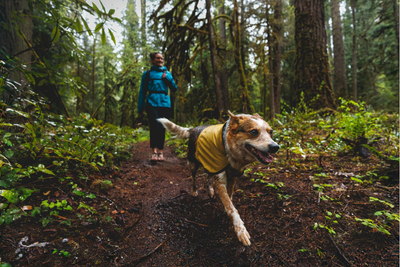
point(240, 230)
point(194, 166)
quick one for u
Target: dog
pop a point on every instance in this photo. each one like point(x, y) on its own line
point(224, 150)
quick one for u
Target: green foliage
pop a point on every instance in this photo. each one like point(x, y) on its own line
point(306, 133)
point(374, 225)
point(62, 253)
point(37, 146)
point(322, 226)
point(60, 205)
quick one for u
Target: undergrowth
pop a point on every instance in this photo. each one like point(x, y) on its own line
point(38, 146)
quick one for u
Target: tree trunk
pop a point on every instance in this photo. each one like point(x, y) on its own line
point(338, 52)
point(223, 73)
point(277, 33)
point(105, 88)
point(271, 74)
point(312, 71)
point(93, 72)
point(247, 106)
point(143, 27)
point(243, 35)
point(9, 39)
point(124, 102)
point(396, 23)
point(353, 6)
point(214, 63)
point(265, 73)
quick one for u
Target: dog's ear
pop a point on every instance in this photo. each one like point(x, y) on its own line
point(235, 123)
point(258, 116)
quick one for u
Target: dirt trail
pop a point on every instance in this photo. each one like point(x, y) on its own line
point(148, 218)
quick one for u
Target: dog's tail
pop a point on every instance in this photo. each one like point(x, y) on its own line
point(179, 131)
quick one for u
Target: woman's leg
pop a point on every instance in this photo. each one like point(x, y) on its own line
point(152, 115)
point(157, 130)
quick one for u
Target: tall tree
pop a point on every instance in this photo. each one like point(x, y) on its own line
point(270, 39)
point(247, 106)
point(340, 77)
point(312, 71)
point(276, 59)
point(223, 73)
point(11, 44)
point(353, 7)
point(214, 63)
point(396, 22)
point(143, 27)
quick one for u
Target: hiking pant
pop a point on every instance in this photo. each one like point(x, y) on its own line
point(157, 130)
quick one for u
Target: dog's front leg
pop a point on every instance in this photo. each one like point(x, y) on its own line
point(240, 229)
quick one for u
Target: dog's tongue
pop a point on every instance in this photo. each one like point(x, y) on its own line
point(266, 156)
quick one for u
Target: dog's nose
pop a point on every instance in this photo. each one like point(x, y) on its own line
point(272, 148)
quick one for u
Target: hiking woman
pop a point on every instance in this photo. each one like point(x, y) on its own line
point(154, 98)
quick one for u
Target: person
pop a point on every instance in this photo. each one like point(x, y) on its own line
point(154, 99)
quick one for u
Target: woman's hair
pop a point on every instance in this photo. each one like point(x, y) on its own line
point(153, 55)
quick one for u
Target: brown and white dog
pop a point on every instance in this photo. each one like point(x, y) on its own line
point(224, 151)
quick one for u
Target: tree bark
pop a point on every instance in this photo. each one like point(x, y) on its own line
point(214, 63)
point(338, 52)
point(396, 23)
point(271, 75)
point(312, 71)
point(247, 106)
point(143, 27)
point(265, 78)
point(223, 73)
point(277, 33)
point(353, 6)
point(93, 72)
point(9, 39)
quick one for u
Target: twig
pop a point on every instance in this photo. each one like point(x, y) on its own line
point(204, 225)
point(340, 252)
point(151, 252)
point(181, 195)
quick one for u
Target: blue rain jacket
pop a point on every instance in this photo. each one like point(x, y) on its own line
point(157, 90)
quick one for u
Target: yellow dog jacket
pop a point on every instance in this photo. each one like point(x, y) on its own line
point(210, 150)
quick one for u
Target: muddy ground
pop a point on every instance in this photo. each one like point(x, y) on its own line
point(147, 217)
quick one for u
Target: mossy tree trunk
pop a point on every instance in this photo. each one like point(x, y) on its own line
point(247, 106)
point(223, 72)
point(214, 62)
point(276, 58)
point(312, 71)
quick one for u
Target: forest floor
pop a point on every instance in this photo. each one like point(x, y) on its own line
point(147, 217)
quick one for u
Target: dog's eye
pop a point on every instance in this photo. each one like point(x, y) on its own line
point(254, 132)
point(271, 133)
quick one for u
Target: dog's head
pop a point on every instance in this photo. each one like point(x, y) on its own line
point(249, 138)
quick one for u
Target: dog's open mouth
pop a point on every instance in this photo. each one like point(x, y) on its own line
point(262, 157)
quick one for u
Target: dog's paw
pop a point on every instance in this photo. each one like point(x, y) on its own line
point(242, 234)
point(244, 237)
point(195, 193)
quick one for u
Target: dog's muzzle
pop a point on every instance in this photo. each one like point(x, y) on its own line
point(272, 148)
point(263, 156)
